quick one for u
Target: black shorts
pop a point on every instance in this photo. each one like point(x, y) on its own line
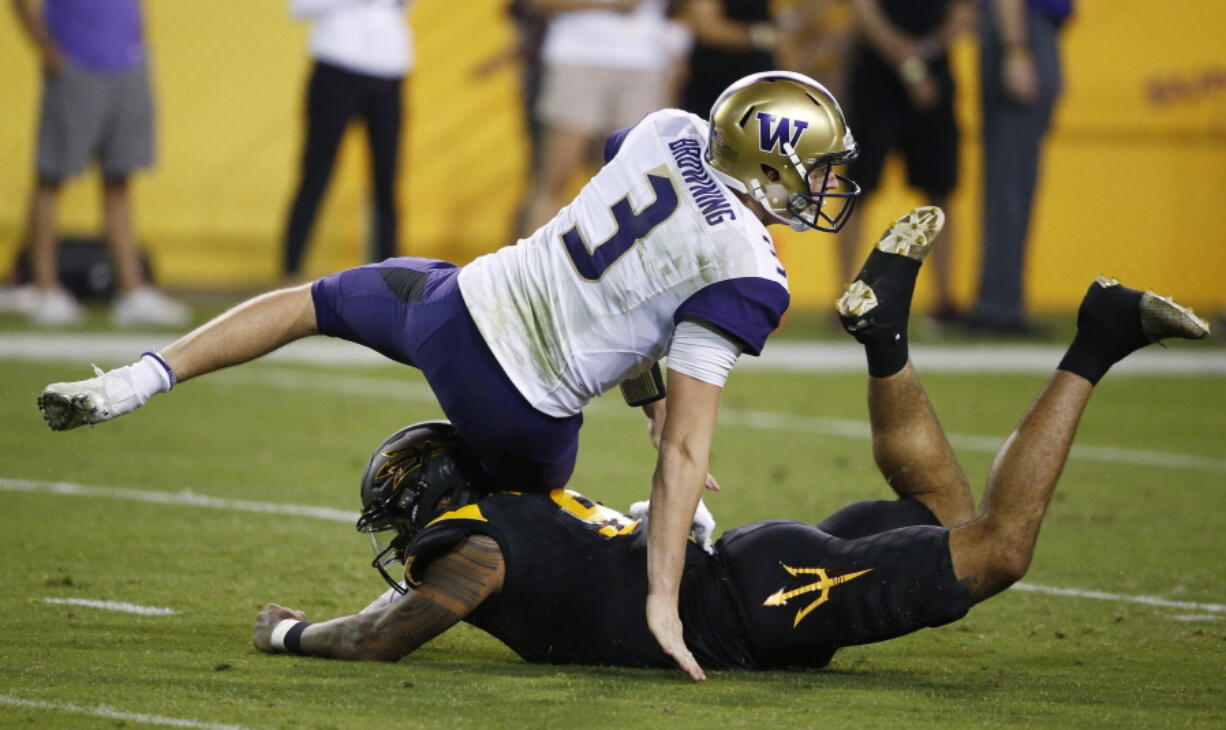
point(882, 118)
point(805, 592)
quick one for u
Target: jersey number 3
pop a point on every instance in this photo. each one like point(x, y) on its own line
point(632, 227)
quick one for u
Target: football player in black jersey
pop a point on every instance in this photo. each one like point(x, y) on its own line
point(562, 579)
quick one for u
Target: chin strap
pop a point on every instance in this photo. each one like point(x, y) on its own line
point(794, 158)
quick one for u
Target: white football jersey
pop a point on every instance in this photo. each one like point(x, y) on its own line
point(592, 297)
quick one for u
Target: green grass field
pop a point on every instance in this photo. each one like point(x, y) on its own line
point(295, 434)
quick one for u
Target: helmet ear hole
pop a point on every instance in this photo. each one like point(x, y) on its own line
point(771, 173)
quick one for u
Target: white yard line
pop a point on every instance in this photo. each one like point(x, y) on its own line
point(1120, 598)
point(191, 499)
point(113, 606)
point(416, 392)
point(186, 498)
point(112, 714)
point(791, 356)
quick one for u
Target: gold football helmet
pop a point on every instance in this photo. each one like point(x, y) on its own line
point(777, 136)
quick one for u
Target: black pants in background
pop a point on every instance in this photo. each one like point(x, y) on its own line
point(334, 97)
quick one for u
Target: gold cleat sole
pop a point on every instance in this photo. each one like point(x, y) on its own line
point(1163, 318)
point(913, 234)
point(858, 300)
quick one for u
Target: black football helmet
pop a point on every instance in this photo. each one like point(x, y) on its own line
point(415, 475)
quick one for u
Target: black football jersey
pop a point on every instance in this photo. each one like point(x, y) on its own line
point(576, 583)
point(776, 594)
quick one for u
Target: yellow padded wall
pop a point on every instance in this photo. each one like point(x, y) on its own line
point(1135, 166)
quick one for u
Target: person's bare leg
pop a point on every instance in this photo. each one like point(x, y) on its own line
point(246, 332)
point(42, 225)
point(562, 156)
point(120, 233)
point(911, 450)
point(994, 550)
point(908, 443)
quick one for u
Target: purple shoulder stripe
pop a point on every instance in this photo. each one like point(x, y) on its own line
point(614, 143)
point(748, 309)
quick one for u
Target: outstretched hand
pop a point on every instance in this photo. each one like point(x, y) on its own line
point(665, 625)
point(268, 619)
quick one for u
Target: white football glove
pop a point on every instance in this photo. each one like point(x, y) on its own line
point(390, 596)
point(701, 530)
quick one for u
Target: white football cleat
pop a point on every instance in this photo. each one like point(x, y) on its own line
point(86, 402)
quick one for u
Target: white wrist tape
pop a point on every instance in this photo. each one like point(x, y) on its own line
point(279, 631)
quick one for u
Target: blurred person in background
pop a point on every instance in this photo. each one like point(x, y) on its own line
point(731, 38)
point(363, 54)
point(819, 40)
point(1019, 71)
point(525, 52)
point(96, 105)
point(901, 96)
point(605, 65)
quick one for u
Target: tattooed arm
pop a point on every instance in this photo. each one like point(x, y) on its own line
point(453, 586)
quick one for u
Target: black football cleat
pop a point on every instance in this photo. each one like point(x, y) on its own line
point(1136, 318)
point(877, 304)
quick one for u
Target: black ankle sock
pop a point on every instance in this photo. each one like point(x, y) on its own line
point(892, 278)
point(1086, 357)
point(1108, 330)
point(887, 355)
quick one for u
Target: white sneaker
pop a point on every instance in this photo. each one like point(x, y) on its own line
point(55, 308)
point(18, 299)
point(101, 398)
point(147, 305)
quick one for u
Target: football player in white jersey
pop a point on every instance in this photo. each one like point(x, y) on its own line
point(664, 252)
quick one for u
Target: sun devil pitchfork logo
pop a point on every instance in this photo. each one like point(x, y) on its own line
point(774, 131)
point(823, 584)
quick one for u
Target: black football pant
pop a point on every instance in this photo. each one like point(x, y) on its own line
point(871, 572)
